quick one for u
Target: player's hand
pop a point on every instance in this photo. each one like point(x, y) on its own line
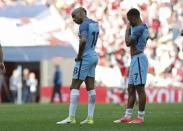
point(128, 26)
point(2, 68)
point(78, 59)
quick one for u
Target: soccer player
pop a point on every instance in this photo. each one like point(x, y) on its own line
point(2, 67)
point(136, 37)
point(85, 64)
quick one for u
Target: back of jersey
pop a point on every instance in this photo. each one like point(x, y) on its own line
point(92, 30)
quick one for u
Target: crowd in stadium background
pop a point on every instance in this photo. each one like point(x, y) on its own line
point(164, 49)
point(163, 17)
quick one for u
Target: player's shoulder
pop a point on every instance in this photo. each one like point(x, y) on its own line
point(140, 27)
point(86, 23)
point(143, 26)
point(93, 21)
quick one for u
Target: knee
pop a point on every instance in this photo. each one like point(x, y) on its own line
point(131, 91)
point(141, 91)
point(89, 88)
point(74, 87)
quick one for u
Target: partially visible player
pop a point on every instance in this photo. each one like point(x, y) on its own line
point(136, 38)
point(85, 64)
point(181, 33)
point(2, 67)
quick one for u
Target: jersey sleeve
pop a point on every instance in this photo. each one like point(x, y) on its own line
point(83, 30)
point(137, 32)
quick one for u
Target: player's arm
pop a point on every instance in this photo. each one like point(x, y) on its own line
point(132, 38)
point(2, 67)
point(82, 40)
point(82, 43)
point(129, 41)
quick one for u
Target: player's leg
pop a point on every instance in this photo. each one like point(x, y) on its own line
point(91, 100)
point(142, 100)
point(142, 64)
point(74, 98)
point(130, 104)
point(91, 95)
point(78, 77)
point(59, 93)
point(131, 101)
point(131, 96)
point(53, 94)
point(131, 90)
point(89, 81)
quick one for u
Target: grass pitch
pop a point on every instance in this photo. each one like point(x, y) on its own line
point(42, 117)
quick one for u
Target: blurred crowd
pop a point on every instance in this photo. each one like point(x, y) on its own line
point(163, 17)
point(164, 49)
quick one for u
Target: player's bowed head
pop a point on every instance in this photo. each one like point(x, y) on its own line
point(79, 14)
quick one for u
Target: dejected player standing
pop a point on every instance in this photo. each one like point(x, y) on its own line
point(136, 38)
point(85, 64)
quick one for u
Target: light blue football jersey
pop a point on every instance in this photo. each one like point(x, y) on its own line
point(140, 34)
point(86, 67)
point(90, 30)
point(139, 63)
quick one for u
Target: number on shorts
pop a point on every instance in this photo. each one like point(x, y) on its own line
point(136, 75)
point(75, 70)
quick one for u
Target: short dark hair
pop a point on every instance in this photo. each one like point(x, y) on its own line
point(79, 9)
point(84, 10)
point(133, 12)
